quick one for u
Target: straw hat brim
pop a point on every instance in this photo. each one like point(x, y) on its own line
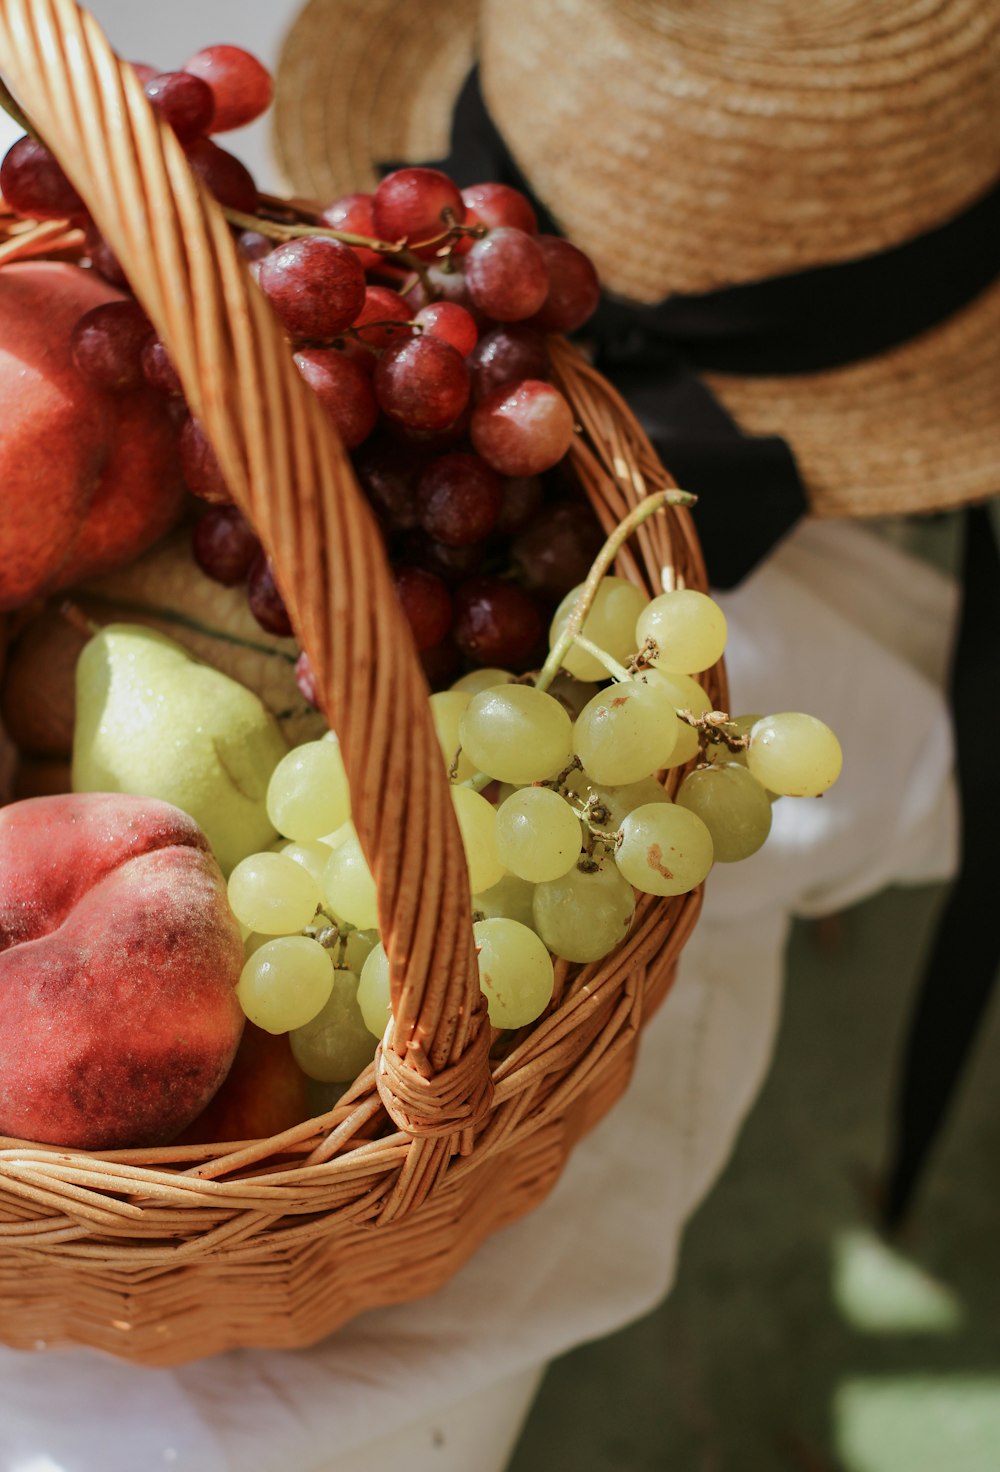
point(915, 429)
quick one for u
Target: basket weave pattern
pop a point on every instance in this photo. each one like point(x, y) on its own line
point(164, 1255)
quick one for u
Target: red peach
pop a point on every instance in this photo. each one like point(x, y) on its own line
point(119, 958)
point(87, 480)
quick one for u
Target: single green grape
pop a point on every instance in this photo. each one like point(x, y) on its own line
point(359, 946)
point(572, 693)
point(583, 915)
point(689, 629)
point(272, 894)
point(373, 991)
point(509, 899)
point(339, 835)
point(312, 855)
point(308, 794)
point(794, 754)
point(285, 983)
point(733, 807)
point(664, 849)
point(349, 886)
point(610, 624)
point(516, 975)
point(483, 679)
point(626, 732)
point(447, 709)
point(335, 1045)
point(477, 822)
point(538, 834)
point(516, 733)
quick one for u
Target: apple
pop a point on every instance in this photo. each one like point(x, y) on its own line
point(265, 1093)
point(88, 480)
point(119, 957)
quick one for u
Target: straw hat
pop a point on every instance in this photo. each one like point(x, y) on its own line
point(691, 146)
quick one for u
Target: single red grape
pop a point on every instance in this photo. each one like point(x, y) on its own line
point(426, 603)
point(443, 286)
point(241, 86)
point(33, 184)
point(253, 246)
point(451, 323)
point(199, 464)
point(352, 213)
point(265, 602)
point(458, 499)
point(224, 545)
point(434, 441)
point(496, 622)
point(388, 313)
point(522, 429)
point(184, 101)
point(451, 564)
point(223, 175)
point(422, 383)
point(506, 355)
point(494, 205)
point(442, 663)
point(360, 353)
point(158, 370)
point(556, 550)
point(522, 496)
point(316, 286)
point(574, 290)
point(344, 389)
point(416, 205)
point(104, 260)
point(107, 345)
point(386, 472)
point(506, 275)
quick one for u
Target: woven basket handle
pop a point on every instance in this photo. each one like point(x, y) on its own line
point(290, 475)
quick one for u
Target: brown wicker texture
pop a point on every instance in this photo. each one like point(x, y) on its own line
point(166, 1255)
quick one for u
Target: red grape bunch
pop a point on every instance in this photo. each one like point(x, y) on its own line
point(418, 314)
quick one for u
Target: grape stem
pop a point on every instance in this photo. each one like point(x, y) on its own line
point(398, 250)
point(615, 670)
point(713, 727)
point(646, 508)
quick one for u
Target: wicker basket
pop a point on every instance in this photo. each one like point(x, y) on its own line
point(161, 1256)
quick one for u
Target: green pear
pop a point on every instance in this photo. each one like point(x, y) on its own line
point(154, 721)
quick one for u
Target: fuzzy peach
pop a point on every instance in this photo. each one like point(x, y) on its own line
point(119, 957)
point(88, 480)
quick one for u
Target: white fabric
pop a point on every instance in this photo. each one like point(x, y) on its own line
point(839, 623)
